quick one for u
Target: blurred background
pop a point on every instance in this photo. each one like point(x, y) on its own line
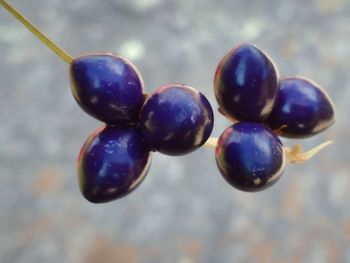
point(184, 212)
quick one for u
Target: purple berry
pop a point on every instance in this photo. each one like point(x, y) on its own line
point(112, 163)
point(250, 156)
point(176, 120)
point(108, 87)
point(246, 84)
point(302, 109)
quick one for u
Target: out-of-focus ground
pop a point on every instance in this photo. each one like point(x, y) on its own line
point(184, 212)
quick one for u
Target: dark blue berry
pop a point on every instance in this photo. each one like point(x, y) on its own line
point(108, 87)
point(249, 156)
point(302, 109)
point(246, 84)
point(176, 120)
point(112, 163)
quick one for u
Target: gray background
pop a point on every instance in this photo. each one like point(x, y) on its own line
point(184, 211)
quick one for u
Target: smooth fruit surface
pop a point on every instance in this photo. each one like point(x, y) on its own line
point(112, 163)
point(302, 109)
point(108, 87)
point(249, 156)
point(176, 119)
point(246, 84)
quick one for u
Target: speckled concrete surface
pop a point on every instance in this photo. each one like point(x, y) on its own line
point(184, 212)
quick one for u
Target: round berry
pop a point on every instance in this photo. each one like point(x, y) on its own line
point(246, 84)
point(249, 156)
point(108, 87)
point(112, 163)
point(176, 119)
point(302, 109)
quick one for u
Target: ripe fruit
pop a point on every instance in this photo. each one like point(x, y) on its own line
point(176, 119)
point(246, 84)
point(302, 109)
point(249, 156)
point(108, 87)
point(112, 163)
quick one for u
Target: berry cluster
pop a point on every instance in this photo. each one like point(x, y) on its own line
point(174, 120)
point(250, 92)
point(177, 119)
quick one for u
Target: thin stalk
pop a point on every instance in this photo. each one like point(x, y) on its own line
point(48, 42)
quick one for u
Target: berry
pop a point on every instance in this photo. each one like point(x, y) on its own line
point(249, 156)
point(112, 163)
point(302, 109)
point(108, 87)
point(176, 120)
point(246, 84)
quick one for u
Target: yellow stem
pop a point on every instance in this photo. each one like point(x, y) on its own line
point(296, 154)
point(211, 142)
point(53, 46)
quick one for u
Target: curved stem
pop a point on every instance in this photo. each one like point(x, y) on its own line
point(296, 154)
point(53, 46)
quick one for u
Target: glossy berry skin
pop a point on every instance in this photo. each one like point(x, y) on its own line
point(112, 163)
point(176, 119)
point(108, 87)
point(249, 156)
point(302, 109)
point(246, 84)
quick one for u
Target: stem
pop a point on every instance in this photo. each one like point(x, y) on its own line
point(53, 46)
point(296, 154)
point(211, 142)
point(293, 155)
